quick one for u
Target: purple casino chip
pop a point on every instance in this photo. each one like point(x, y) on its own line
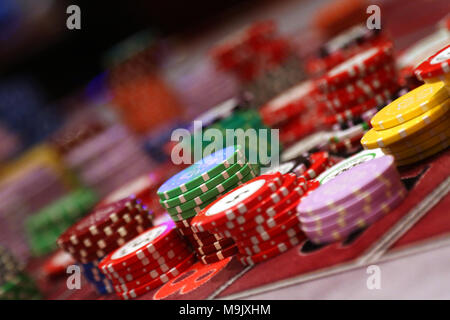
point(363, 204)
point(349, 185)
point(335, 232)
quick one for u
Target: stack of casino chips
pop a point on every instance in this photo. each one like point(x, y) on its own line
point(345, 142)
point(260, 216)
point(146, 262)
point(291, 112)
point(231, 116)
point(364, 82)
point(353, 200)
point(104, 230)
point(15, 284)
point(103, 160)
point(188, 192)
point(45, 226)
point(414, 126)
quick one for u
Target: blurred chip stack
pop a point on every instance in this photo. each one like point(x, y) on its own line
point(231, 116)
point(103, 160)
point(15, 284)
point(342, 47)
point(27, 184)
point(188, 192)
point(141, 96)
point(291, 112)
point(104, 230)
point(261, 59)
point(44, 227)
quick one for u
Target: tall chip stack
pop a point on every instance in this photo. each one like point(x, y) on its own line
point(46, 225)
point(353, 91)
point(260, 216)
point(102, 161)
point(261, 59)
point(147, 261)
point(189, 191)
point(104, 230)
point(15, 284)
point(414, 126)
point(355, 199)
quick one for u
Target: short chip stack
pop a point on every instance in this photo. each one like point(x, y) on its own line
point(147, 261)
point(101, 232)
point(15, 284)
point(191, 190)
point(260, 216)
point(363, 82)
point(44, 227)
point(351, 201)
point(414, 126)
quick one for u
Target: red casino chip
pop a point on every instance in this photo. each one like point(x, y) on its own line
point(359, 92)
point(259, 217)
point(266, 245)
point(237, 202)
point(356, 111)
point(219, 255)
point(289, 103)
point(215, 246)
point(248, 239)
point(358, 66)
point(109, 233)
point(158, 259)
point(107, 245)
point(171, 274)
point(436, 66)
point(100, 218)
point(283, 217)
point(319, 162)
point(287, 233)
point(185, 223)
point(205, 240)
point(272, 252)
point(138, 279)
point(297, 129)
point(142, 247)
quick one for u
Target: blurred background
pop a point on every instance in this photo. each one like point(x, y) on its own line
point(82, 112)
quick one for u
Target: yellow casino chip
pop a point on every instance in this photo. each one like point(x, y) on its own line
point(383, 138)
point(410, 105)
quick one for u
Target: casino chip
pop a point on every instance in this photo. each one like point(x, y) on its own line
point(105, 229)
point(147, 261)
point(412, 127)
point(260, 212)
point(347, 164)
point(435, 68)
point(354, 199)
